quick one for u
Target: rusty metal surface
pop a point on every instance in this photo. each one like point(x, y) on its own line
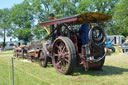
point(90, 17)
point(58, 21)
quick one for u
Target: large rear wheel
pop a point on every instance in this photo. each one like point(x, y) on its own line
point(64, 55)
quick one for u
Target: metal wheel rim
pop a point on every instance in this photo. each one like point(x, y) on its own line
point(61, 56)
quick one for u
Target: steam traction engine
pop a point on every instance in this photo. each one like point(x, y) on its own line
point(65, 47)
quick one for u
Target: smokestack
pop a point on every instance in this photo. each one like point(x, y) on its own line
point(51, 16)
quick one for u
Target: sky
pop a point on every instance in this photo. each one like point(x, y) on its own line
point(8, 3)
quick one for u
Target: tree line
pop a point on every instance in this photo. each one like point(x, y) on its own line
point(21, 20)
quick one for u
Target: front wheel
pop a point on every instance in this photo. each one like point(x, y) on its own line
point(64, 55)
point(43, 59)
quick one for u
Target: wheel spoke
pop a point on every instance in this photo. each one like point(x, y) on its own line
point(59, 48)
point(63, 68)
point(66, 54)
point(58, 64)
point(56, 55)
point(66, 60)
point(58, 51)
point(63, 48)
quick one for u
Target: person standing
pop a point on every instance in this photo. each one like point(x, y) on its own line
point(84, 31)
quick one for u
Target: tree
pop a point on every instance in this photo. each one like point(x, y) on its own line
point(39, 32)
point(120, 18)
point(1, 13)
point(64, 8)
point(23, 34)
point(36, 9)
point(84, 6)
point(4, 23)
point(22, 20)
point(102, 6)
point(39, 13)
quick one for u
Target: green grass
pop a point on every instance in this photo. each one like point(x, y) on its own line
point(115, 72)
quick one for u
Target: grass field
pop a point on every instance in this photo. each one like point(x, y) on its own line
point(115, 72)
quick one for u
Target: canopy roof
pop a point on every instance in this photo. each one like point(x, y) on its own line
point(90, 17)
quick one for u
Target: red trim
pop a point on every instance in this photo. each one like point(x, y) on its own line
point(59, 21)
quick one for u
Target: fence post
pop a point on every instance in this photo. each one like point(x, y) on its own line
point(12, 72)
